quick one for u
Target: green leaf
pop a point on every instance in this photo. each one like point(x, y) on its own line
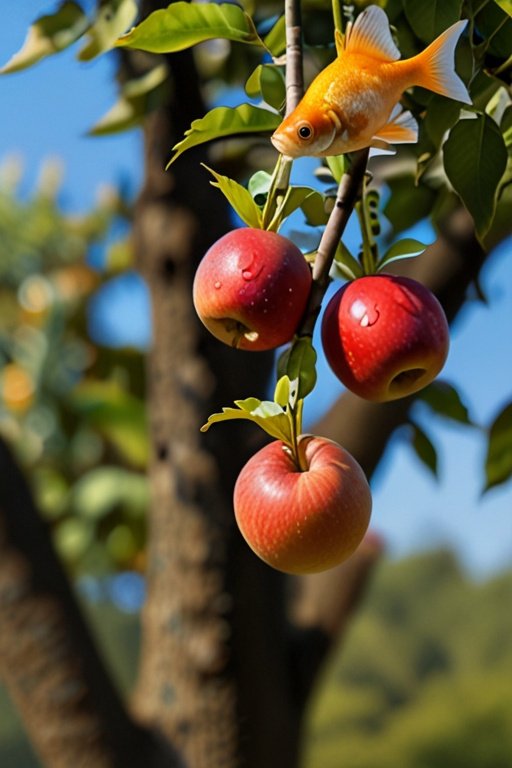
point(349, 266)
point(505, 5)
point(444, 400)
point(103, 489)
point(182, 25)
point(267, 81)
point(424, 448)
point(429, 19)
point(407, 203)
point(259, 185)
point(73, 537)
point(442, 114)
point(498, 462)
point(282, 391)
point(316, 208)
point(112, 19)
point(138, 97)
point(506, 126)
point(475, 174)
point(48, 35)
point(239, 198)
point(483, 88)
point(117, 415)
point(298, 362)
point(275, 41)
point(268, 415)
point(495, 26)
point(226, 121)
point(337, 165)
point(402, 249)
point(295, 198)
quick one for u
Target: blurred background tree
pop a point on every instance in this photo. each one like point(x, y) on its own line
point(72, 408)
point(107, 440)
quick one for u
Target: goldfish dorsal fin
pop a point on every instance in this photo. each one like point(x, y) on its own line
point(401, 128)
point(369, 35)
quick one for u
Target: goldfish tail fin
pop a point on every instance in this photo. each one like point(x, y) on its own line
point(436, 69)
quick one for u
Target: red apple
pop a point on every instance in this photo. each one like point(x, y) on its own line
point(251, 289)
point(385, 337)
point(303, 521)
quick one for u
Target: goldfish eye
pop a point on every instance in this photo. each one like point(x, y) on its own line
point(305, 131)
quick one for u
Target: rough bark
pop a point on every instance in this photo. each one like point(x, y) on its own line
point(48, 660)
point(187, 684)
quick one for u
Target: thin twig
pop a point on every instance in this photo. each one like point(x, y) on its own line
point(294, 92)
point(337, 14)
point(348, 192)
point(294, 71)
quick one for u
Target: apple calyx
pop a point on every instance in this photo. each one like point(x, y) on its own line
point(234, 330)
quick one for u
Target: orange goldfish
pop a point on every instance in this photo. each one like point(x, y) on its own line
point(354, 102)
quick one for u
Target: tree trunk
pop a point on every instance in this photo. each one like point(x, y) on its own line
point(48, 661)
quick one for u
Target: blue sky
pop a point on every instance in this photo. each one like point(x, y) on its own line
point(46, 112)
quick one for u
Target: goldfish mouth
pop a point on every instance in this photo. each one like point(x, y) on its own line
point(279, 143)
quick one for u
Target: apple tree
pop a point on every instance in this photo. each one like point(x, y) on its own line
point(230, 647)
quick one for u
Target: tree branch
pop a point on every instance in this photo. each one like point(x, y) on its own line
point(294, 69)
point(349, 190)
point(321, 610)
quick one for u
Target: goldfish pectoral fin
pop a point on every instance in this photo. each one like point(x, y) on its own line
point(382, 145)
point(378, 151)
point(436, 69)
point(401, 128)
point(370, 35)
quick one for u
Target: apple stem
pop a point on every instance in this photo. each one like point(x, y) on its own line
point(294, 412)
point(349, 191)
point(302, 462)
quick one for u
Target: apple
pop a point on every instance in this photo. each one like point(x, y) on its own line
point(251, 289)
point(385, 337)
point(303, 521)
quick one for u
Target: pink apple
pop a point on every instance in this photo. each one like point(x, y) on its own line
point(251, 289)
point(385, 337)
point(303, 521)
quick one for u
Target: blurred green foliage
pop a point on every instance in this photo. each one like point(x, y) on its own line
point(423, 678)
point(68, 405)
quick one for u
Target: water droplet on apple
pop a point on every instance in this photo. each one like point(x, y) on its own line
point(247, 274)
point(364, 314)
point(218, 285)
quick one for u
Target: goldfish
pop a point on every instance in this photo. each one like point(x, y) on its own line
point(355, 101)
